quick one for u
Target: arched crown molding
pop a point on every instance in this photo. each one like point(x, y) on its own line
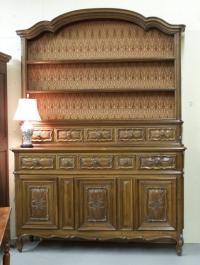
point(100, 13)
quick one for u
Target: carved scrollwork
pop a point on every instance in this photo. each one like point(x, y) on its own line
point(96, 162)
point(162, 134)
point(39, 203)
point(67, 162)
point(131, 134)
point(34, 162)
point(69, 135)
point(99, 135)
point(157, 205)
point(158, 162)
point(97, 211)
point(42, 135)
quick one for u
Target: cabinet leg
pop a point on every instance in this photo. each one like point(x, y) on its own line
point(6, 254)
point(179, 245)
point(20, 243)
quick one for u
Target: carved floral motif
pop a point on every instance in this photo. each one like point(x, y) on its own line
point(96, 162)
point(69, 135)
point(158, 162)
point(162, 134)
point(37, 162)
point(39, 203)
point(96, 205)
point(156, 205)
point(131, 134)
point(42, 135)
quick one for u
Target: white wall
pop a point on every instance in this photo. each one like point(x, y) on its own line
point(22, 14)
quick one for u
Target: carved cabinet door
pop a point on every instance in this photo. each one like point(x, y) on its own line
point(96, 203)
point(156, 204)
point(39, 203)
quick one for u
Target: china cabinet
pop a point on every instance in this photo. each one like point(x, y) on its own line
point(107, 161)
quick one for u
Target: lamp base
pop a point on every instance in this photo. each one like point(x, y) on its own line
point(27, 131)
point(26, 145)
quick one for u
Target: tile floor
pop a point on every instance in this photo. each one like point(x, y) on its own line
point(72, 253)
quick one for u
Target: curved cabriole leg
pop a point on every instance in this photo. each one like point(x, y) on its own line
point(20, 243)
point(179, 245)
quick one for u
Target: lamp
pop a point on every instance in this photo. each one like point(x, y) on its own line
point(26, 112)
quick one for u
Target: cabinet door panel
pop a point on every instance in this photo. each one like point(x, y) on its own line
point(39, 204)
point(96, 204)
point(66, 189)
point(157, 204)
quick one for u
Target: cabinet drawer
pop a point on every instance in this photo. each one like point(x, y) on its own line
point(157, 161)
point(37, 161)
point(42, 135)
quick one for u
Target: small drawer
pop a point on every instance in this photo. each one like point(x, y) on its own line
point(162, 134)
point(130, 134)
point(69, 135)
point(96, 162)
point(37, 162)
point(125, 162)
point(158, 161)
point(42, 135)
point(67, 162)
point(99, 135)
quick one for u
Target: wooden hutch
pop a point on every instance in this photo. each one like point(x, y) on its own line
point(107, 161)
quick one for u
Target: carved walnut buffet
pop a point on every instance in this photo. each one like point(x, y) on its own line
point(107, 161)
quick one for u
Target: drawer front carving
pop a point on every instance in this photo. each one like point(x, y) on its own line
point(66, 162)
point(161, 134)
point(99, 135)
point(96, 162)
point(37, 162)
point(69, 135)
point(42, 135)
point(158, 162)
point(125, 162)
point(130, 134)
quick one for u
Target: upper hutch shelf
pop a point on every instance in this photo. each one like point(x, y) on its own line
point(98, 51)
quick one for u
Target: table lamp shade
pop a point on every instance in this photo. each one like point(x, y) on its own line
point(27, 110)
